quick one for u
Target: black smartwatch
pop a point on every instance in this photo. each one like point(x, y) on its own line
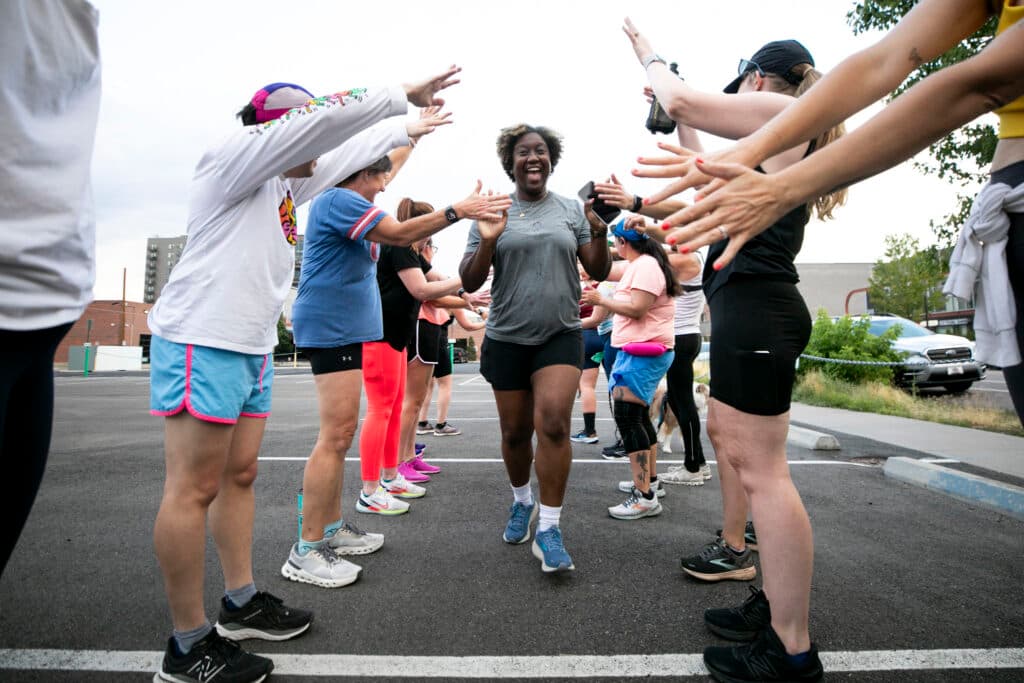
point(450, 214)
point(462, 290)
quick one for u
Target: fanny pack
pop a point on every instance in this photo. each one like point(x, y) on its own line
point(645, 348)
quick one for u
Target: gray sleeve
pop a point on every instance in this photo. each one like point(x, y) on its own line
point(473, 240)
point(580, 224)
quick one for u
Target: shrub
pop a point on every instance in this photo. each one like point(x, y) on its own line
point(847, 338)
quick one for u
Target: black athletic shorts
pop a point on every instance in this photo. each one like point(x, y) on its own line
point(593, 344)
point(759, 328)
point(508, 366)
point(426, 344)
point(335, 359)
point(444, 363)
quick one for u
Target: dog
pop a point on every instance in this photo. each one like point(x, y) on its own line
point(662, 415)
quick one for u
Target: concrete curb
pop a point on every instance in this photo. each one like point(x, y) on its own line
point(994, 495)
point(808, 438)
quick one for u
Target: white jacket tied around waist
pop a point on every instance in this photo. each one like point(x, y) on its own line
point(978, 267)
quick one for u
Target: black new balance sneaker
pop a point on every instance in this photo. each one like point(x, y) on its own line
point(212, 660)
point(265, 617)
point(765, 659)
point(718, 562)
point(743, 622)
point(749, 535)
point(614, 452)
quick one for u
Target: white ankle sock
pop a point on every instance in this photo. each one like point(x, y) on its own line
point(523, 494)
point(549, 517)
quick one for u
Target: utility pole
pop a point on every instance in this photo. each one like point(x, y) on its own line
point(124, 305)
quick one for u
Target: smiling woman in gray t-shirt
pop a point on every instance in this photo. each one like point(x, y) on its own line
point(533, 349)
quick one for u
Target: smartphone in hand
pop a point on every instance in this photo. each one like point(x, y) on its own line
point(606, 212)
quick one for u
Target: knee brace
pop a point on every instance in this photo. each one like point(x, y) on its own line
point(630, 418)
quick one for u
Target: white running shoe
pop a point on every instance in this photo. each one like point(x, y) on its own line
point(400, 487)
point(351, 540)
point(320, 567)
point(381, 503)
point(636, 507)
point(659, 490)
point(681, 475)
point(705, 471)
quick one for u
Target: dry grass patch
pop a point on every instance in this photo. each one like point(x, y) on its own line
point(814, 388)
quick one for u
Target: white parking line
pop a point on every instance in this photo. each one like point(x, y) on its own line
point(558, 666)
point(576, 461)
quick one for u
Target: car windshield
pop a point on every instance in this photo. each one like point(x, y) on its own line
point(908, 328)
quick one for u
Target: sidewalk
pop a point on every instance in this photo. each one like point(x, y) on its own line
point(1000, 454)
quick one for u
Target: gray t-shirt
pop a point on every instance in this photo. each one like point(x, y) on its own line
point(535, 293)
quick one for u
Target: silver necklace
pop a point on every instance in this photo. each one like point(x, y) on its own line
point(522, 210)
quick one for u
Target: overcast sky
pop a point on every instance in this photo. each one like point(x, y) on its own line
point(174, 74)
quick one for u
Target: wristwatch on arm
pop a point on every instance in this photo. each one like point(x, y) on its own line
point(450, 214)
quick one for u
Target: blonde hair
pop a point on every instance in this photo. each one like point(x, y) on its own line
point(808, 75)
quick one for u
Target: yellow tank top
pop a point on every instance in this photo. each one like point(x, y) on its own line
point(1011, 116)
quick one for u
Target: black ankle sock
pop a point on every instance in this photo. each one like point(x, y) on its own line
point(649, 495)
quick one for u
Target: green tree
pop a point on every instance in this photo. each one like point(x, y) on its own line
point(285, 343)
point(962, 157)
point(909, 275)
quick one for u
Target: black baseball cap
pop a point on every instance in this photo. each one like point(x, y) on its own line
point(777, 57)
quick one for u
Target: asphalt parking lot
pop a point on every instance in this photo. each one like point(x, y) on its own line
point(909, 585)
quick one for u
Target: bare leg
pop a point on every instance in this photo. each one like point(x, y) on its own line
point(195, 454)
point(554, 388)
point(338, 401)
point(417, 382)
point(444, 397)
point(735, 505)
point(755, 447)
point(426, 400)
point(233, 510)
point(515, 414)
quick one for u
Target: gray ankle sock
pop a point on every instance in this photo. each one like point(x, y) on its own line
point(240, 597)
point(184, 640)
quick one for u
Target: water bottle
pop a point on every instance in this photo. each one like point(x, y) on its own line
point(658, 120)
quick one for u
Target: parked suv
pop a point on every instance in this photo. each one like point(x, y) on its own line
point(932, 360)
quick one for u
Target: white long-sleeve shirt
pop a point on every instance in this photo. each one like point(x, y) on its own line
point(49, 105)
point(978, 266)
point(229, 287)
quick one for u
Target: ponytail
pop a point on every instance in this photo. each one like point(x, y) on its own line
point(805, 76)
point(407, 208)
point(653, 248)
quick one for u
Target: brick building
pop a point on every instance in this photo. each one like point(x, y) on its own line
point(107, 328)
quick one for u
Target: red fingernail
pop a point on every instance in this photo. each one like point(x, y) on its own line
point(699, 160)
point(698, 197)
point(666, 226)
point(718, 266)
point(684, 250)
point(646, 201)
point(671, 240)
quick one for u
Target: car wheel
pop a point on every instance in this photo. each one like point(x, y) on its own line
point(957, 388)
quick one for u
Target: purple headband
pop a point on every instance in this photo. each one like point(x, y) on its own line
point(272, 101)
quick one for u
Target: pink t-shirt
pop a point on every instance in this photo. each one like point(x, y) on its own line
point(434, 314)
point(655, 325)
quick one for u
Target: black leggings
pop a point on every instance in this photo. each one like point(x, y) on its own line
point(1013, 175)
point(680, 398)
point(26, 420)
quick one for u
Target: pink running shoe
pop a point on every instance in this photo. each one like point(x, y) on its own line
point(421, 465)
point(409, 472)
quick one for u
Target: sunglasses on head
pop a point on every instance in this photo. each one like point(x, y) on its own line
point(747, 66)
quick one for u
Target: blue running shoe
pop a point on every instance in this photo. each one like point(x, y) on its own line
point(548, 548)
point(519, 518)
